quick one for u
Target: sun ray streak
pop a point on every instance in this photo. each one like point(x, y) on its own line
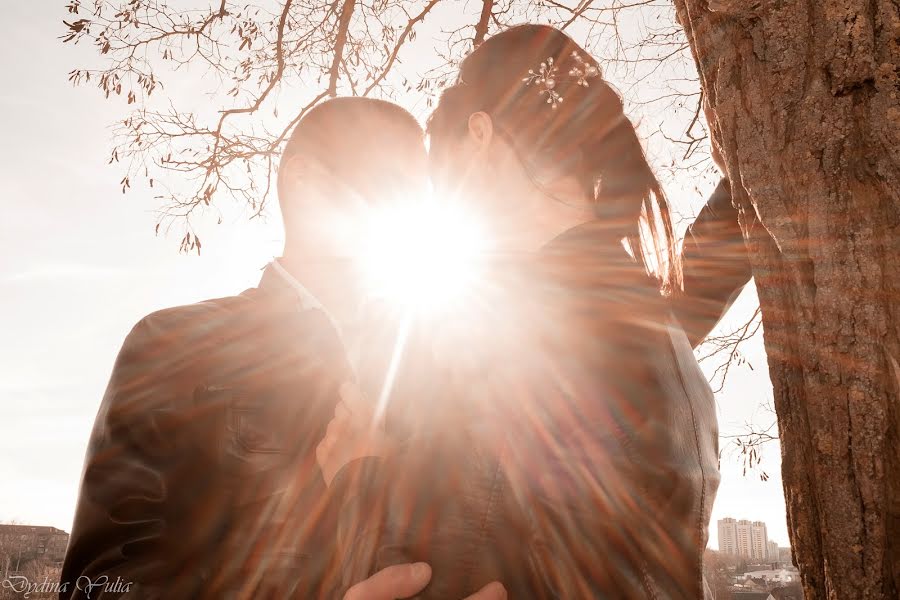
point(393, 367)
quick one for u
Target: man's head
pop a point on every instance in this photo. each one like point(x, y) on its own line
point(346, 156)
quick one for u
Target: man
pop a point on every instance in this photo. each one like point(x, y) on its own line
point(200, 479)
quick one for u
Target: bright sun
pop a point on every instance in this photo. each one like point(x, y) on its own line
point(422, 256)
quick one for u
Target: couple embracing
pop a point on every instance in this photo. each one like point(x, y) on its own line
point(552, 438)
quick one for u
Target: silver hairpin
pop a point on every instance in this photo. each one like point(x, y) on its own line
point(583, 70)
point(546, 75)
point(545, 78)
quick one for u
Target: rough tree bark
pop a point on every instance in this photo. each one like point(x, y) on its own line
point(806, 98)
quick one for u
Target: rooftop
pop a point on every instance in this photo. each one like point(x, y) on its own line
point(33, 529)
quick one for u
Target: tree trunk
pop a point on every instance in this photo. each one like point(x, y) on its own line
point(806, 103)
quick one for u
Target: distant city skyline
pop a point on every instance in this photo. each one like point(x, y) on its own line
point(748, 539)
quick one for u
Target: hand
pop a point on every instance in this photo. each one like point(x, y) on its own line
point(403, 581)
point(353, 433)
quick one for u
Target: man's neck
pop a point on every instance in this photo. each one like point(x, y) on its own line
point(334, 281)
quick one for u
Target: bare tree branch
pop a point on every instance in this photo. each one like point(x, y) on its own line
point(262, 54)
point(729, 344)
point(583, 6)
point(481, 28)
point(396, 50)
point(340, 41)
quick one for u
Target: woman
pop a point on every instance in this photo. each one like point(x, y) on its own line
point(576, 454)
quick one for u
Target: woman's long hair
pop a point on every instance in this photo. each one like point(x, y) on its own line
point(568, 121)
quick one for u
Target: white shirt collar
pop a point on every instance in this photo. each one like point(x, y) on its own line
point(307, 300)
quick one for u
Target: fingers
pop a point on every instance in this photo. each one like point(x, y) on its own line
point(334, 435)
point(337, 427)
point(323, 451)
point(353, 399)
point(492, 591)
point(403, 581)
point(341, 411)
point(398, 581)
point(357, 407)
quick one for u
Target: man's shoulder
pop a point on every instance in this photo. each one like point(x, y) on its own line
point(244, 324)
point(181, 324)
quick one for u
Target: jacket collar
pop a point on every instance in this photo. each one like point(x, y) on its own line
point(278, 281)
point(591, 257)
point(593, 237)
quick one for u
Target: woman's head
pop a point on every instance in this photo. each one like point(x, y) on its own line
point(530, 109)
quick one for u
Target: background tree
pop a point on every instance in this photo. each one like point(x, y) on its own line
point(238, 76)
point(807, 103)
point(718, 575)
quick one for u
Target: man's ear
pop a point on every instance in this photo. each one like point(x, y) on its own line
point(481, 130)
point(294, 171)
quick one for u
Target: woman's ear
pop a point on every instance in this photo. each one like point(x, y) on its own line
point(481, 130)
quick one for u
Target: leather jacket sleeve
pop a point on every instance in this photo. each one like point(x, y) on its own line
point(123, 527)
point(587, 493)
point(715, 266)
point(435, 508)
point(360, 491)
point(629, 484)
point(581, 539)
point(475, 521)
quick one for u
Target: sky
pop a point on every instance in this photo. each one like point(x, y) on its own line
point(80, 265)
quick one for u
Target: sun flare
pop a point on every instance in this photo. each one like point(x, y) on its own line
point(423, 257)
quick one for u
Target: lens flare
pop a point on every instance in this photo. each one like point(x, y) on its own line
point(423, 257)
